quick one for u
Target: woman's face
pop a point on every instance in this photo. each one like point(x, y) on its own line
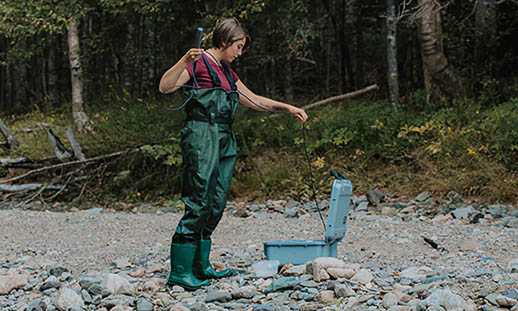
point(233, 51)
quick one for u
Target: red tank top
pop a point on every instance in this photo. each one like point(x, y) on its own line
point(203, 76)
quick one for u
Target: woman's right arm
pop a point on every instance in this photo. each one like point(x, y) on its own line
point(178, 75)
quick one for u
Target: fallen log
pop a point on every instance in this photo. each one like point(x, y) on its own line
point(60, 165)
point(28, 187)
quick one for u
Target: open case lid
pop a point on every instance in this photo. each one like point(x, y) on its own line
point(338, 210)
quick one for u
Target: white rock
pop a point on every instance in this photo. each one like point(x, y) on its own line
point(329, 262)
point(117, 284)
point(68, 299)
point(389, 300)
point(340, 273)
point(14, 278)
point(363, 277)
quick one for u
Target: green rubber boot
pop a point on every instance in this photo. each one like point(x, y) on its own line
point(182, 257)
point(202, 268)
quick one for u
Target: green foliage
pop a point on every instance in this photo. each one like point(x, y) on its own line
point(459, 146)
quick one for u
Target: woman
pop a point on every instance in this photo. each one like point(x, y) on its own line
point(209, 146)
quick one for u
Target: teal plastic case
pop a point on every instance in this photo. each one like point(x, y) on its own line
point(299, 252)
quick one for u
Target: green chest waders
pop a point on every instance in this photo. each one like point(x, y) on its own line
point(209, 154)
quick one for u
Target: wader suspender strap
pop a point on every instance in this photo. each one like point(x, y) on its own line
point(194, 85)
point(217, 84)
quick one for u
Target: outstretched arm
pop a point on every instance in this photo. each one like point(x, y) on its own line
point(261, 103)
point(178, 75)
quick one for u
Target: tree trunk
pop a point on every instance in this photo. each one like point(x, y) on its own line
point(81, 119)
point(485, 23)
point(288, 80)
point(443, 76)
point(354, 29)
point(392, 54)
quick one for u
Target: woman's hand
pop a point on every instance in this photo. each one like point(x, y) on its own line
point(299, 113)
point(192, 55)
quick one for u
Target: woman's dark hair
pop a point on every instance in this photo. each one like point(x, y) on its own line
point(228, 31)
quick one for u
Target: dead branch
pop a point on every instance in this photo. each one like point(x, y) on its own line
point(60, 150)
point(78, 153)
point(341, 97)
point(335, 98)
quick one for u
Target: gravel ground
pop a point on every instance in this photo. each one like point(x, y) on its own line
point(92, 239)
point(478, 261)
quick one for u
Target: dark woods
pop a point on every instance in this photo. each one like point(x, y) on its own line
point(301, 49)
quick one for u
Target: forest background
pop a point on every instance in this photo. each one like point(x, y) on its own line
point(444, 116)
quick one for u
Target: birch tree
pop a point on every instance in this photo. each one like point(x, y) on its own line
point(392, 54)
point(81, 119)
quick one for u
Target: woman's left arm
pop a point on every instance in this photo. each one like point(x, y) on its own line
point(261, 103)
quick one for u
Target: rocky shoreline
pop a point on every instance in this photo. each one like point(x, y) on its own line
point(398, 254)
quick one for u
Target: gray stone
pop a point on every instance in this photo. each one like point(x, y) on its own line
point(179, 307)
point(511, 293)
point(464, 212)
point(491, 298)
point(295, 271)
point(244, 292)
point(87, 298)
point(423, 196)
point(218, 295)
point(144, 305)
point(344, 290)
point(58, 270)
point(512, 223)
point(264, 308)
point(505, 302)
point(37, 305)
point(375, 196)
point(265, 268)
point(446, 299)
point(282, 284)
point(197, 306)
point(420, 288)
point(292, 212)
point(50, 282)
point(118, 300)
